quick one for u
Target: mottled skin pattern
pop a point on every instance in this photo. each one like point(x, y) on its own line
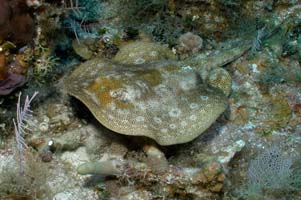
point(165, 100)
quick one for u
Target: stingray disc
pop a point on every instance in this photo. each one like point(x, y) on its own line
point(161, 100)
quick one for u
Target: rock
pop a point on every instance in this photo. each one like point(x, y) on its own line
point(229, 152)
point(141, 52)
point(190, 43)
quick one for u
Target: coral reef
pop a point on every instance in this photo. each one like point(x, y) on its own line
point(174, 182)
point(173, 104)
point(29, 185)
point(272, 172)
point(82, 17)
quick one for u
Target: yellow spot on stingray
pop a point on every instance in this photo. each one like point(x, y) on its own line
point(151, 77)
point(102, 88)
point(171, 68)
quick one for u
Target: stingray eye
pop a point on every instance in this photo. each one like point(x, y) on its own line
point(114, 93)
